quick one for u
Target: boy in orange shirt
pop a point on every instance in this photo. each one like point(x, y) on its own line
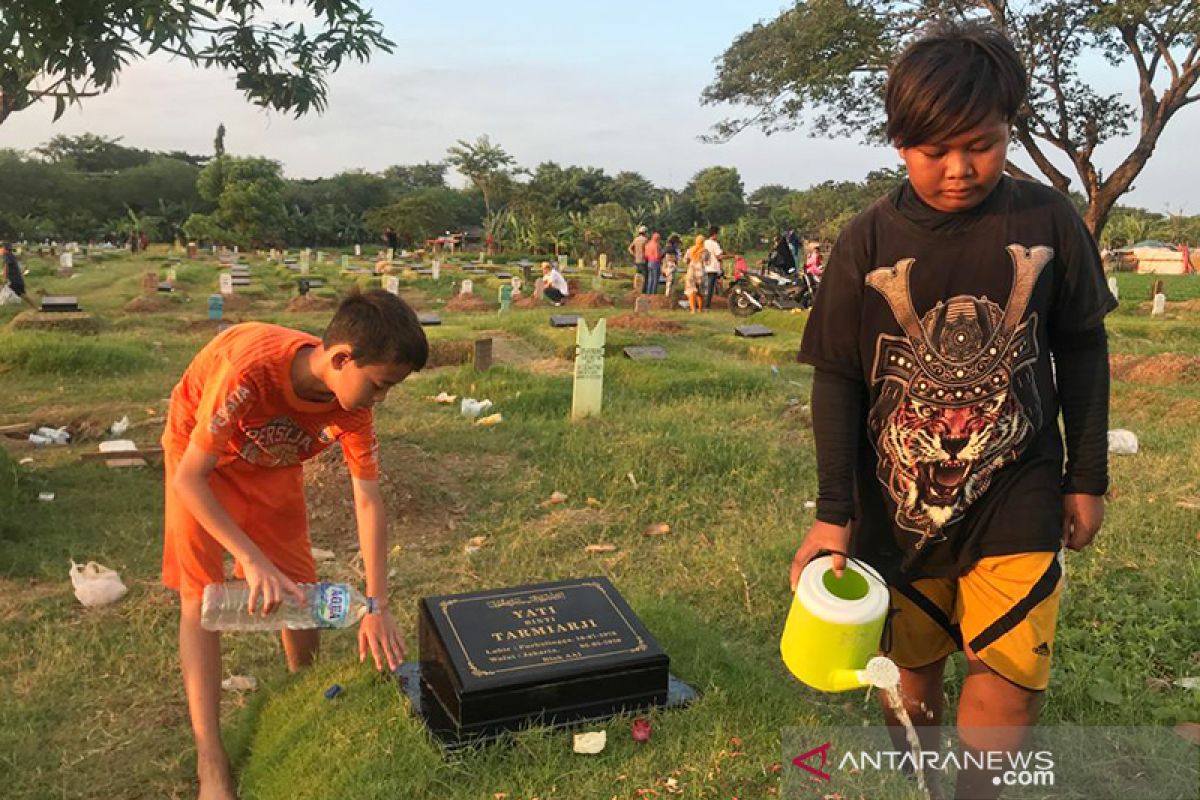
point(253, 405)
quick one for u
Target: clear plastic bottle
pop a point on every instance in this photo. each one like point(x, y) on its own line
point(330, 605)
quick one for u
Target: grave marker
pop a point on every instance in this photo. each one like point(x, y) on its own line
point(558, 652)
point(505, 295)
point(226, 283)
point(588, 392)
point(603, 263)
point(483, 355)
point(564, 320)
point(467, 286)
point(216, 307)
point(436, 271)
point(648, 352)
point(391, 284)
point(345, 262)
point(1160, 305)
point(358, 251)
point(59, 304)
point(429, 319)
point(641, 305)
point(562, 262)
point(753, 331)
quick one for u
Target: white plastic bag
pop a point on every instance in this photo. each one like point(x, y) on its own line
point(1122, 442)
point(8, 296)
point(96, 584)
point(471, 407)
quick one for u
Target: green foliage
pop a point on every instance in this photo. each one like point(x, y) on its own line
point(67, 52)
point(66, 355)
point(486, 165)
point(424, 214)
point(718, 194)
point(249, 197)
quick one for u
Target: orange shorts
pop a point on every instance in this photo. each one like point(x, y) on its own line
point(268, 504)
point(1005, 610)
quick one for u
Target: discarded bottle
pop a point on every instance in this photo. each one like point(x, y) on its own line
point(330, 605)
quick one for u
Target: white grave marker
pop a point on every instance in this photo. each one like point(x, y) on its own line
point(588, 389)
point(358, 251)
point(1160, 305)
point(467, 287)
point(391, 284)
point(66, 261)
point(437, 270)
point(226, 282)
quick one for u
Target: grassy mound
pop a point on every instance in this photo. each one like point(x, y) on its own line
point(60, 354)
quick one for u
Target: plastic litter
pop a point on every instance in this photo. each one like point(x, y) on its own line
point(590, 743)
point(119, 427)
point(333, 691)
point(444, 398)
point(492, 419)
point(240, 683)
point(641, 730)
point(50, 436)
point(96, 584)
point(46, 497)
point(320, 554)
point(471, 407)
point(1122, 442)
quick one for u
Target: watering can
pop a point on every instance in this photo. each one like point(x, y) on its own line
point(834, 625)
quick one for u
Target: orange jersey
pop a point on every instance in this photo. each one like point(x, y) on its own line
point(236, 401)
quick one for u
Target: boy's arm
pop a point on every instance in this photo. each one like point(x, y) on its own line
point(1082, 377)
point(263, 577)
point(378, 631)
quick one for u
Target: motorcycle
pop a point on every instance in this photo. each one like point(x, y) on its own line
point(752, 293)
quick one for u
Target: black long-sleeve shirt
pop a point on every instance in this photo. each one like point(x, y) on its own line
point(936, 401)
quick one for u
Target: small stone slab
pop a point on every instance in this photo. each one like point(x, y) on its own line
point(504, 276)
point(564, 320)
point(429, 319)
point(646, 353)
point(60, 303)
point(166, 288)
point(753, 331)
point(236, 281)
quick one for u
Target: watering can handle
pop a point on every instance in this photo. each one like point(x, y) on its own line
point(848, 557)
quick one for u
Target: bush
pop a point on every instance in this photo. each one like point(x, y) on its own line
point(58, 354)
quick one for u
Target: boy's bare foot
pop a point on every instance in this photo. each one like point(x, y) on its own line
point(216, 779)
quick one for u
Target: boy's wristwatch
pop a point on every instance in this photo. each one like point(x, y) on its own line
point(374, 605)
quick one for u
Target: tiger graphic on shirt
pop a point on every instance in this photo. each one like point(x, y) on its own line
point(957, 398)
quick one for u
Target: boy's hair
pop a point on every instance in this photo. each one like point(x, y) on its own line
point(380, 329)
point(714, 230)
point(949, 81)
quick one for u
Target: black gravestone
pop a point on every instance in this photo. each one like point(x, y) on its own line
point(52, 304)
point(753, 331)
point(550, 653)
point(564, 320)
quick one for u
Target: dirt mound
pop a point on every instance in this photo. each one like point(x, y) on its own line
point(420, 491)
point(237, 302)
point(64, 321)
point(589, 300)
point(468, 302)
point(310, 302)
point(148, 303)
point(1165, 368)
point(1186, 305)
point(657, 301)
point(532, 301)
point(644, 322)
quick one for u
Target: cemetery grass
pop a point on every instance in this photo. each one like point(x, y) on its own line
point(711, 442)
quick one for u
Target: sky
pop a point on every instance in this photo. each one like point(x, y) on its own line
point(613, 85)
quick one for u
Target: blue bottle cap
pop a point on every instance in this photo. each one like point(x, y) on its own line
point(333, 691)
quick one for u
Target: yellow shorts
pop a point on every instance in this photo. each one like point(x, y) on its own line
point(1004, 610)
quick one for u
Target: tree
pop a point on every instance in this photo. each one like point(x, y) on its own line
point(487, 166)
point(718, 194)
point(424, 214)
point(248, 193)
point(91, 153)
point(405, 179)
point(69, 51)
point(631, 189)
point(829, 57)
point(219, 141)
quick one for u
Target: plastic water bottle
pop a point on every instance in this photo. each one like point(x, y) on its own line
point(330, 605)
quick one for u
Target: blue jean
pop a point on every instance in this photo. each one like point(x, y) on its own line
point(653, 273)
point(710, 285)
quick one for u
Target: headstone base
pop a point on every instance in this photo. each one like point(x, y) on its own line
point(753, 331)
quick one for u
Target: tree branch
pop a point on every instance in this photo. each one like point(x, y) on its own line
point(1160, 45)
point(1057, 178)
point(1017, 172)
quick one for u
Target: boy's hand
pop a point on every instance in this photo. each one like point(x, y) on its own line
point(821, 536)
point(1083, 514)
point(266, 581)
point(379, 633)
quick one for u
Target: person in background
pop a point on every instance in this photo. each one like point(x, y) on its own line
point(669, 265)
point(13, 278)
point(554, 285)
point(637, 249)
point(694, 277)
point(714, 270)
point(653, 263)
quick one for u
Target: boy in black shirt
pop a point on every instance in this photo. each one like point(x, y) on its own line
point(936, 402)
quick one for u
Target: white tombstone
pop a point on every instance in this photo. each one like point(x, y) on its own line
point(1160, 305)
point(391, 284)
point(66, 261)
point(345, 262)
point(235, 249)
point(358, 251)
point(467, 287)
point(1112, 287)
point(320, 257)
point(517, 283)
point(436, 272)
point(391, 255)
point(226, 282)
